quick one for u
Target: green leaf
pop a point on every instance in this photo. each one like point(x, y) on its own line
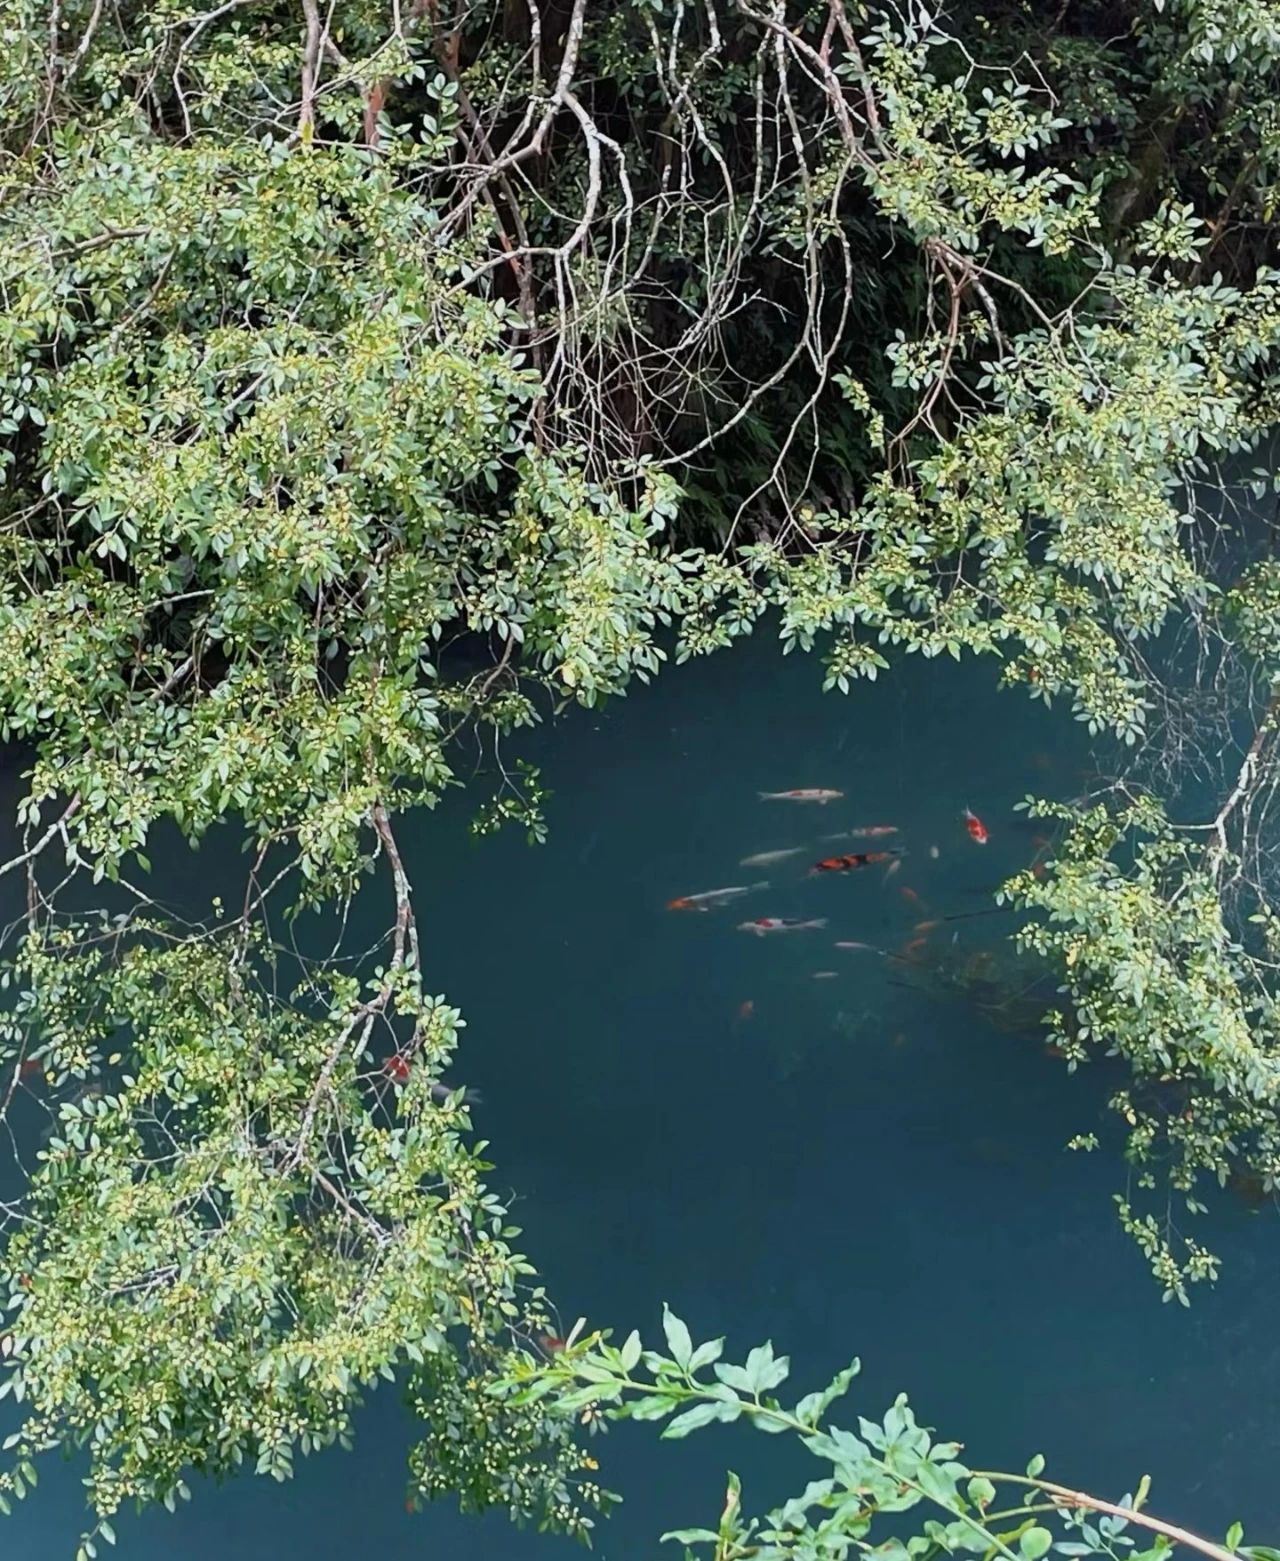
point(651, 1408)
point(763, 1370)
point(734, 1377)
point(691, 1419)
point(705, 1354)
point(678, 1340)
point(1036, 1467)
point(630, 1352)
point(1035, 1542)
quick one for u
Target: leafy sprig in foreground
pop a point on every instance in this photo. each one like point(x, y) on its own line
point(890, 1467)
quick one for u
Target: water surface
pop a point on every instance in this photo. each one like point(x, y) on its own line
point(859, 1167)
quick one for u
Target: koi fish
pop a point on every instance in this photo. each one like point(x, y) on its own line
point(934, 853)
point(770, 858)
point(892, 868)
point(926, 926)
point(851, 863)
point(865, 948)
point(766, 924)
point(29, 1067)
point(870, 832)
point(745, 1011)
point(551, 1343)
point(397, 1068)
point(910, 895)
point(711, 898)
point(817, 794)
point(825, 975)
point(977, 829)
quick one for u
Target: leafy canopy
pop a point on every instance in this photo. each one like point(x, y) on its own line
point(372, 375)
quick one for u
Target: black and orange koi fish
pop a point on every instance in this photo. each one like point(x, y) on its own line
point(853, 861)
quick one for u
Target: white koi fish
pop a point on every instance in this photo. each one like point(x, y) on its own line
point(803, 794)
point(709, 899)
point(771, 858)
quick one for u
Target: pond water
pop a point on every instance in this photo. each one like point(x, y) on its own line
point(854, 1166)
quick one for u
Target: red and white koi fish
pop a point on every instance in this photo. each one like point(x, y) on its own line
point(767, 924)
point(977, 829)
point(710, 899)
point(803, 794)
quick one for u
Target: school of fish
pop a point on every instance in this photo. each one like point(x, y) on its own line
point(398, 1068)
point(890, 859)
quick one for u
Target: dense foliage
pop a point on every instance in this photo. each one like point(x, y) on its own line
point(367, 375)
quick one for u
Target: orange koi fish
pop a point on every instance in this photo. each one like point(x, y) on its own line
point(851, 863)
point(397, 1068)
point(745, 1011)
point(767, 924)
point(977, 829)
point(817, 794)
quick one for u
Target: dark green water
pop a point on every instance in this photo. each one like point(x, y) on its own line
point(860, 1167)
